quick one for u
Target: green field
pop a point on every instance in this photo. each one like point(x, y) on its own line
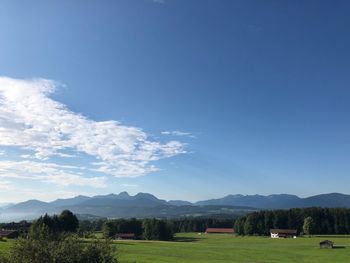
point(226, 248)
point(5, 246)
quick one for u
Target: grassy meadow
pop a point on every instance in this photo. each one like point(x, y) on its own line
point(226, 248)
point(5, 246)
point(191, 247)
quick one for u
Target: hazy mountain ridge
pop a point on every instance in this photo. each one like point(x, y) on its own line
point(147, 205)
point(282, 201)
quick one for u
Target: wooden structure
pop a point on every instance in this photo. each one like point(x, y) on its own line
point(326, 244)
point(220, 231)
point(5, 233)
point(283, 233)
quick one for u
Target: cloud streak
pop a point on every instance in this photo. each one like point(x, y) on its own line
point(32, 121)
point(48, 172)
point(159, 1)
point(178, 133)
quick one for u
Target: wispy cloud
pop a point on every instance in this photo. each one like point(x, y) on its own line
point(32, 121)
point(48, 172)
point(159, 1)
point(5, 186)
point(178, 133)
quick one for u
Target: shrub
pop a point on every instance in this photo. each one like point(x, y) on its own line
point(66, 249)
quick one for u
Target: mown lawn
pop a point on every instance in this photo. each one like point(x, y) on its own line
point(225, 248)
point(191, 247)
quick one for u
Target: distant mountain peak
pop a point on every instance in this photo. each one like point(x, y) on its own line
point(146, 195)
point(124, 194)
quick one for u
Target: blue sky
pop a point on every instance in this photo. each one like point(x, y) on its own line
point(185, 99)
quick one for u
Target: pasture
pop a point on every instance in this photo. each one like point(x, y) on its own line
point(191, 247)
point(216, 248)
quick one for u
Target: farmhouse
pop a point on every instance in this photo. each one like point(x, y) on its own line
point(326, 244)
point(8, 233)
point(123, 236)
point(220, 231)
point(283, 233)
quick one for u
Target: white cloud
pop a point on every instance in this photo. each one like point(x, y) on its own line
point(30, 120)
point(2, 153)
point(48, 172)
point(178, 133)
point(26, 156)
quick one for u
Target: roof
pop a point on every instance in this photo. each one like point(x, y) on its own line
point(326, 242)
point(283, 231)
point(6, 232)
point(220, 230)
point(125, 235)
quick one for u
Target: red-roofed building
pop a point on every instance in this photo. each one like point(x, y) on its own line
point(220, 231)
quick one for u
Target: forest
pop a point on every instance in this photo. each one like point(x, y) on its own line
point(315, 220)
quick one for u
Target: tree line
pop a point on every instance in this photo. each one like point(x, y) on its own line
point(304, 220)
point(149, 229)
point(200, 224)
point(156, 229)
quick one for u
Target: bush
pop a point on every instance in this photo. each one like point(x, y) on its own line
point(66, 249)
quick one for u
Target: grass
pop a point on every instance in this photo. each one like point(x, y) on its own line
point(5, 245)
point(191, 247)
point(225, 248)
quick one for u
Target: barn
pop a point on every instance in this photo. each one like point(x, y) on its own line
point(220, 231)
point(5, 233)
point(326, 244)
point(283, 233)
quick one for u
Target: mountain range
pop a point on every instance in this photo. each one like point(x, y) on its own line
point(144, 205)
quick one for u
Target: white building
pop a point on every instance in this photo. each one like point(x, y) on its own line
point(283, 233)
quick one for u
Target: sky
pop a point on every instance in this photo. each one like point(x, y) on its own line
point(184, 99)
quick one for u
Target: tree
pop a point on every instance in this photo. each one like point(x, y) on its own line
point(239, 226)
point(68, 249)
point(107, 229)
point(249, 225)
point(308, 225)
point(154, 229)
point(55, 225)
point(68, 221)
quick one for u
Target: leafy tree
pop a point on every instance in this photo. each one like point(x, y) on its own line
point(68, 249)
point(308, 225)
